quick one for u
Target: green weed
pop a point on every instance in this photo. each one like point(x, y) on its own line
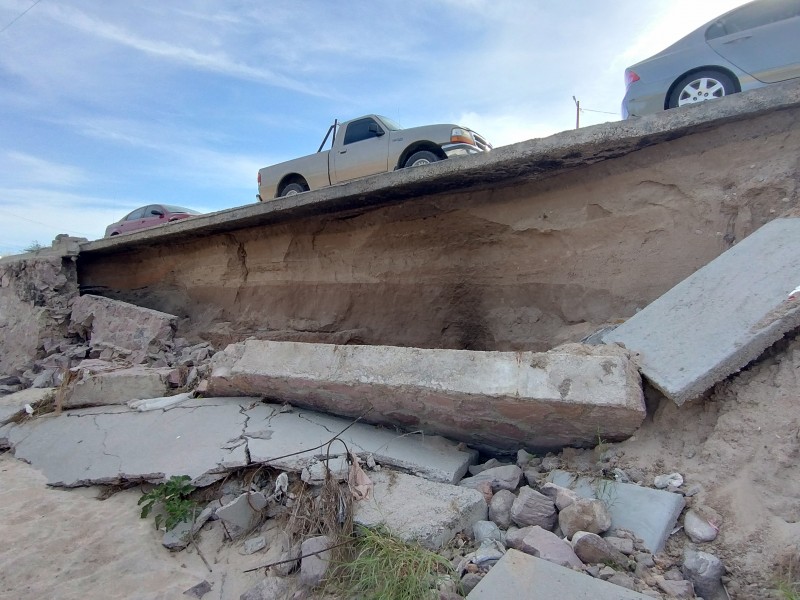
point(172, 498)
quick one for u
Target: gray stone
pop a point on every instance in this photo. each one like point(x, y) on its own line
point(500, 478)
point(500, 508)
point(701, 524)
point(108, 323)
point(470, 580)
point(199, 590)
point(418, 510)
point(532, 508)
point(270, 588)
point(524, 458)
point(281, 550)
point(243, 514)
point(45, 379)
point(519, 575)
point(675, 589)
point(591, 548)
point(544, 544)
point(722, 316)
point(486, 530)
point(314, 567)
point(623, 580)
point(504, 399)
point(178, 537)
point(489, 464)
point(705, 571)
point(253, 545)
point(561, 496)
point(650, 514)
point(584, 515)
point(624, 545)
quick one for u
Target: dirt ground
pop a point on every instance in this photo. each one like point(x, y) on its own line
point(740, 443)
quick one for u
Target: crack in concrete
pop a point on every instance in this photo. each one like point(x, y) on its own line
point(105, 449)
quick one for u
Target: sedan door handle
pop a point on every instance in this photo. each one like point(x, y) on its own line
point(738, 39)
point(342, 151)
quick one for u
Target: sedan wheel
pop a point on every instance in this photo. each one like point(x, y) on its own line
point(702, 86)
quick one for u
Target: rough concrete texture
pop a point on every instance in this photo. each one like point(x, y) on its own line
point(120, 326)
point(275, 433)
point(490, 400)
point(203, 437)
point(720, 318)
point(533, 244)
point(103, 383)
point(519, 575)
point(13, 404)
point(418, 510)
point(648, 513)
point(36, 295)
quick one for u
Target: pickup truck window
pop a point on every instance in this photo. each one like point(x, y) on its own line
point(358, 131)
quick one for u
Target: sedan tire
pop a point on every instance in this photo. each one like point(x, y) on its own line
point(701, 86)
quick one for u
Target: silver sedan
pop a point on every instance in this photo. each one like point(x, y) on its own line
point(749, 47)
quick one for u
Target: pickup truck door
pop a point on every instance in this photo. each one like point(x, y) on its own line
point(361, 150)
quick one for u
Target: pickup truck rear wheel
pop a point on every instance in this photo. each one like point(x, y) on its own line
point(293, 189)
point(423, 157)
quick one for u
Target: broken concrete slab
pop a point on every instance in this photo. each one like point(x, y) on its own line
point(207, 436)
point(648, 513)
point(103, 383)
point(119, 326)
point(13, 404)
point(720, 318)
point(417, 510)
point(273, 435)
point(490, 400)
point(519, 575)
point(241, 515)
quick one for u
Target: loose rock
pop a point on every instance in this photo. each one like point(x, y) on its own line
point(533, 508)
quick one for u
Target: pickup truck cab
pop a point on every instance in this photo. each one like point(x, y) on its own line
point(367, 146)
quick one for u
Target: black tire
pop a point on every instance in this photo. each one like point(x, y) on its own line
point(701, 86)
point(423, 157)
point(292, 189)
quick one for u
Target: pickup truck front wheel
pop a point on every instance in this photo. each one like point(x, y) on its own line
point(293, 189)
point(423, 157)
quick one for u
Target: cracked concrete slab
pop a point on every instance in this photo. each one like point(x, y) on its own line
point(428, 456)
point(489, 400)
point(720, 318)
point(102, 445)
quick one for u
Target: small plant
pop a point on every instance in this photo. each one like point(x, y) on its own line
point(382, 567)
point(33, 247)
point(172, 496)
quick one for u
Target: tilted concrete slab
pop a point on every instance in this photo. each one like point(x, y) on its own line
point(432, 457)
point(490, 400)
point(206, 436)
point(519, 575)
point(12, 404)
point(648, 513)
point(417, 510)
point(723, 316)
point(104, 384)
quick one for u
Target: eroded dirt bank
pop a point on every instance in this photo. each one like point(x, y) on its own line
point(526, 266)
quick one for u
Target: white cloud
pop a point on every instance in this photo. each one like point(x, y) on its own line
point(19, 168)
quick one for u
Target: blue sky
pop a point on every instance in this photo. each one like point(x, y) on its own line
point(110, 105)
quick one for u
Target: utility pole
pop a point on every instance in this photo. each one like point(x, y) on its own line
point(577, 113)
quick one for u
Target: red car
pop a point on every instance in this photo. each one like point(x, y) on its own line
point(149, 216)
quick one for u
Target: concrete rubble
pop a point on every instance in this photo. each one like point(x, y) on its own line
point(720, 318)
point(489, 400)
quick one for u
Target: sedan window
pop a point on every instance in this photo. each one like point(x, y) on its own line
point(137, 214)
point(754, 15)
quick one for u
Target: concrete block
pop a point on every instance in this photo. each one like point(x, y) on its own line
point(418, 510)
point(720, 318)
point(118, 325)
point(490, 400)
point(519, 575)
point(242, 514)
point(102, 385)
point(13, 404)
point(649, 514)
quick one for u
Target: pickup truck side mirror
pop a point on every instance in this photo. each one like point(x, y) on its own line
point(377, 131)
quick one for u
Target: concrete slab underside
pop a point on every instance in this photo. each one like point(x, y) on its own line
point(716, 321)
point(519, 575)
point(212, 435)
point(490, 400)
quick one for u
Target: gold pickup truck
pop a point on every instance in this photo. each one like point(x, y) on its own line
point(367, 146)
